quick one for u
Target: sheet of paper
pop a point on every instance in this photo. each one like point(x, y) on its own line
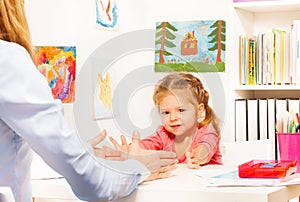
point(230, 178)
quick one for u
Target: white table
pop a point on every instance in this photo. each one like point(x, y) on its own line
point(183, 186)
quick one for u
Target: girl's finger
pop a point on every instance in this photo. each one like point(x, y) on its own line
point(123, 139)
point(115, 143)
point(99, 138)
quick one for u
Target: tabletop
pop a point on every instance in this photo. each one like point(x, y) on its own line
point(184, 185)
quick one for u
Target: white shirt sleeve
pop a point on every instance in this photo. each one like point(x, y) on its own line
point(27, 107)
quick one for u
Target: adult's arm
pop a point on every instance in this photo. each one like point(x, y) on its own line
point(27, 107)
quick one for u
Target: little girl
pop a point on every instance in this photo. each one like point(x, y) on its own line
point(189, 125)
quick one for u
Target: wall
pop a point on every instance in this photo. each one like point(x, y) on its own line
point(71, 22)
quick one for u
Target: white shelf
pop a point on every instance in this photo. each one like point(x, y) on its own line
point(269, 6)
point(267, 13)
point(268, 87)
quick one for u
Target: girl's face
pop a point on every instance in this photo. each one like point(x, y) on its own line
point(179, 116)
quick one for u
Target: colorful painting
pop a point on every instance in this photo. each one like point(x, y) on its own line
point(58, 65)
point(106, 13)
point(191, 46)
point(103, 96)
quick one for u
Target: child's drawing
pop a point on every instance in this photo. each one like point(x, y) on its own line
point(106, 13)
point(105, 94)
point(103, 97)
point(193, 46)
point(58, 65)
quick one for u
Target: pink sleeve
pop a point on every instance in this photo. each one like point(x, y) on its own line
point(207, 136)
point(156, 141)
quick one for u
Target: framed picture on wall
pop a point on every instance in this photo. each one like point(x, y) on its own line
point(191, 46)
point(58, 65)
point(106, 14)
point(105, 97)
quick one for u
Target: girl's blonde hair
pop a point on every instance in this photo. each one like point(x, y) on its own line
point(194, 92)
point(13, 24)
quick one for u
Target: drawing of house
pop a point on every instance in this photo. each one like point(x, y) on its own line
point(189, 44)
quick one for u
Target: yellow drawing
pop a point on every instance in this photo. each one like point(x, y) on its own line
point(105, 95)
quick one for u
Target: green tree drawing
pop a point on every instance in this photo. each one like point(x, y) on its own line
point(164, 37)
point(217, 36)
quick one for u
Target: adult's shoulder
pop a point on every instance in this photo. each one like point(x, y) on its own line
point(13, 54)
point(7, 48)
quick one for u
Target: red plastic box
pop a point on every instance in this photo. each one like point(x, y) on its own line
point(267, 169)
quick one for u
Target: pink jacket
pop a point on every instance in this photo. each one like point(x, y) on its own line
point(163, 140)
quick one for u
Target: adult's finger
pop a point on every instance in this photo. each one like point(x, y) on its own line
point(158, 175)
point(167, 162)
point(168, 168)
point(116, 158)
point(167, 155)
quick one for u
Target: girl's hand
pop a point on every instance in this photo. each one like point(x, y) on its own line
point(197, 157)
point(106, 152)
point(124, 147)
point(133, 148)
point(192, 160)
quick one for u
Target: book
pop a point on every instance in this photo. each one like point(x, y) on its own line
point(259, 59)
point(272, 124)
point(240, 120)
point(252, 119)
point(295, 53)
point(268, 57)
point(263, 119)
point(251, 62)
point(286, 57)
point(277, 58)
point(242, 62)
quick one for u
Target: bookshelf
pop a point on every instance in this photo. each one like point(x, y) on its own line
point(256, 17)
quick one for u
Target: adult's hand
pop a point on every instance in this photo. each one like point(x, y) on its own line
point(159, 163)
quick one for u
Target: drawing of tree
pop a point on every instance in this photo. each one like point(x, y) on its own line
point(217, 38)
point(164, 37)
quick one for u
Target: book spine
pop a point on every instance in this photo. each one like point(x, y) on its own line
point(251, 62)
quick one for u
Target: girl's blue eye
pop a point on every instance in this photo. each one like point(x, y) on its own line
point(181, 110)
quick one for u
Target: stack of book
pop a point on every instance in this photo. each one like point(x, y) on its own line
point(255, 119)
point(270, 58)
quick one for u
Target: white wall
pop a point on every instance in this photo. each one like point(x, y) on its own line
point(72, 22)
